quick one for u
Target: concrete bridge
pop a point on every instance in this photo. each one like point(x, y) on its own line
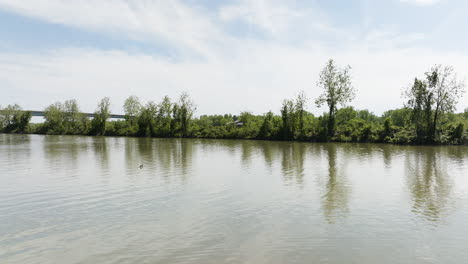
point(90, 115)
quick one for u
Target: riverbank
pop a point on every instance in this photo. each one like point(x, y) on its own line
point(463, 143)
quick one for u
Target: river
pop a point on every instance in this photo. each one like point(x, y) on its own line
point(73, 199)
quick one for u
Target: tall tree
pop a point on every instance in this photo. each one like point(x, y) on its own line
point(337, 90)
point(420, 102)
point(183, 112)
point(147, 120)
point(301, 102)
point(267, 129)
point(445, 90)
point(14, 120)
point(163, 118)
point(431, 98)
point(132, 108)
point(100, 116)
point(288, 116)
point(54, 119)
point(75, 121)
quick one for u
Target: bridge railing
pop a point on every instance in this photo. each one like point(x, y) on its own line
point(90, 115)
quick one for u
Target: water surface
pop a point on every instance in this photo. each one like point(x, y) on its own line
point(67, 199)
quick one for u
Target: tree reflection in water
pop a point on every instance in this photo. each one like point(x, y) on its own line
point(292, 162)
point(165, 157)
point(336, 196)
point(429, 184)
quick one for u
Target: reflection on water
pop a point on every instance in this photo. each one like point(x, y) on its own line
point(86, 200)
point(15, 148)
point(292, 162)
point(429, 183)
point(101, 152)
point(164, 156)
point(335, 199)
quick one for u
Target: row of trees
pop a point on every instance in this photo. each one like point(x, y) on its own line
point(13, 119)
point(427, 117)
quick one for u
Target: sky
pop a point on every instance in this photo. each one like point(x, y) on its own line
point(230, 56)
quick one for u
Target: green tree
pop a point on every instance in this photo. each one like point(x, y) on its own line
point(337, 90)
point(132, 108)
point(183, 112)
point(75, 120)
point(64, 118)
point(147, 120)
point(445, 90)
point(288, 116)
point(164, 118)
point(100, 117)
point(14, 120)
point(430, 99)
point(54, 119)
point(301, 102)
point(420, 101)
point(267, 128)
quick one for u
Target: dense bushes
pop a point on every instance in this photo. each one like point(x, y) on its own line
point(427, 117)
point(152, 120)
point(14, 120)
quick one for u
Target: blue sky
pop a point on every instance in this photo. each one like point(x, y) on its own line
point(231, 56)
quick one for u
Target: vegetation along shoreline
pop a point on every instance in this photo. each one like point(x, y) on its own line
point(427, 117)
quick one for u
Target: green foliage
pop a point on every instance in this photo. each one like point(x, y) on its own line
point(182, 113)
point(430, 100)
point(427, 117)
point(132, 109)
point(14, 120)
point(164, 118)
point(98, 124)
point(337, 90)
point(289, 120)
point(267, 130)
point(65, 119)
point(147, 120)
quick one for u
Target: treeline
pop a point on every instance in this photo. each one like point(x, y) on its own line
point(427, 116)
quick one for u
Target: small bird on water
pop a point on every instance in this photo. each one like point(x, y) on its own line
point(141, 166)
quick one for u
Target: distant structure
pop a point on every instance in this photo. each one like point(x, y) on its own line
point(236, 123)
point(90, 115)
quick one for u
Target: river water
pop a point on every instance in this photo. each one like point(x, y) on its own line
point(68, 199)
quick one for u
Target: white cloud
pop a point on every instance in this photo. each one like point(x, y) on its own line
point(151, 21)
point(257, 82)
point(273, 16)
point(421, 2)
point(232, 74)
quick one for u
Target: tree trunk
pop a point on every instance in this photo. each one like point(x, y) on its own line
point(434, 125)
point(331, 122)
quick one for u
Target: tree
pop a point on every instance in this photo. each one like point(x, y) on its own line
point(100, 117)
point(337, 90)
point(301, 102)
point(75, 122)
point(289, 120)
point(431, 98)
point(445, 90)
point(54, 119)
point(132, 108)
point(183, 112)
point(147, 120)
point(14, 120)
point(7, 114)
point(420, 102)
point(64, 118)
point(266, 130)
point(163, 118)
